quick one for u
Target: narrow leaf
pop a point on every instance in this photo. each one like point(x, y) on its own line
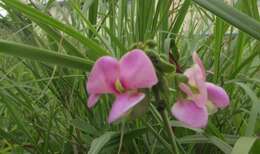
point(98, 143)
point(254, 109)
point(95, 50)
point(46, 56)
point(243, 145)
point(232, 16)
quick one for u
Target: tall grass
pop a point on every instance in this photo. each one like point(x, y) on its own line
point(53, 46)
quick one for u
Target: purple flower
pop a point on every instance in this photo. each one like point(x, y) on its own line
point(202, 97)
point(122, 78)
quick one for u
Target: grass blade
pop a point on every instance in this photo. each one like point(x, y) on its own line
point(43, 55)
point(243, 145)
point(254, 110)
point(95, 50)
point(98, 143)
point(232, 16)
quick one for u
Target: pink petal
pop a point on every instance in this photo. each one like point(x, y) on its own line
point(197, 69)
point(217, 95)
point(123, 103)
point(197, 81)
point(103, 76)
point(192, 72)
point(198, 61)
point(200, 98)
point(137, 71)
point(187, 112)
point(186, 89)
point(92, 100)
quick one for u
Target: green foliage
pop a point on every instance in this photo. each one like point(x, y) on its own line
point(48, 48)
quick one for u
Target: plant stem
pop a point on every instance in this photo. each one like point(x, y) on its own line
point(121, 137)
point(170, 132)
point(161, 108)
point(159, 137)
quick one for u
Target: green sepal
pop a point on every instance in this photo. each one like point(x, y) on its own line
point(160, 63)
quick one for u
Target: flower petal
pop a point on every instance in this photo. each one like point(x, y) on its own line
point(123, 103)
point(137, 70)
point(198, 84)
point(197, 70)
point(188, 112)
point(198, 61)
point(92, 100)
point(200, 97)
point(192, 72)
point(186, 89)
point(217, 95)
point(103, 76)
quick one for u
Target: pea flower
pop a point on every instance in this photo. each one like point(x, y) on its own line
point(122, 78)
point(202, 97)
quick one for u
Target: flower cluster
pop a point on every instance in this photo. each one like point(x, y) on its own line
point(135, 71)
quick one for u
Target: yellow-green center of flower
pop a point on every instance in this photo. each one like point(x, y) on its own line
point(194, 89)
point(119, 86)
point(211, 107)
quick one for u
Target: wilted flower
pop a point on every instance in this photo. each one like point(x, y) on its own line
point(202, 97)
point(122, 78)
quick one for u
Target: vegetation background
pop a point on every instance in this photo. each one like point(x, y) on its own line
point(53, 45)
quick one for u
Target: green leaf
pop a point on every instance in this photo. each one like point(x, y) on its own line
point(220, 144)
point(59, 38)
point(180, 18)
point(43, 55)
point(98, 143)
point(175, 123)
point(8, 136)
point(219, 32)
point(243, 145)
point(232, 16)
point(95, 50)
point(84, 126)
point(246, 62)
point(14, 113)
point(254, 109)
point(223, 146)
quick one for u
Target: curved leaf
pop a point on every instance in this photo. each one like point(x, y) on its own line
point(46, 56)
point(98, 143)
point(254, 109)
point(95, 50)
point(232, 16)
point(243, 145)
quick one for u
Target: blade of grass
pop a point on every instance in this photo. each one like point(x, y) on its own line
point(254, 109)
point(95, 50)
point(47, 56)
point(232, 16)
point(59, 38)
point(98, 143)
point(219, 32)
point(92, 14)
point(180, 18)
point(243, 145)
point(246, 62)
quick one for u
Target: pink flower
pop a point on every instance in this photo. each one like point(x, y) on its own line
point(122, 78)
point(202, 97)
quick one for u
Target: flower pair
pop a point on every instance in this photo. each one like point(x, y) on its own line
point(135, 71)
point(122, 78)
point(201, 97)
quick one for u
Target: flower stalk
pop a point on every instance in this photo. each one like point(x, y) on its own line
point(161, 106)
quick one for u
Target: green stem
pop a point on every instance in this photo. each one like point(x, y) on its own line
point(121, 137)
point(161, 108)
point(159, 137)
point(170, 132)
